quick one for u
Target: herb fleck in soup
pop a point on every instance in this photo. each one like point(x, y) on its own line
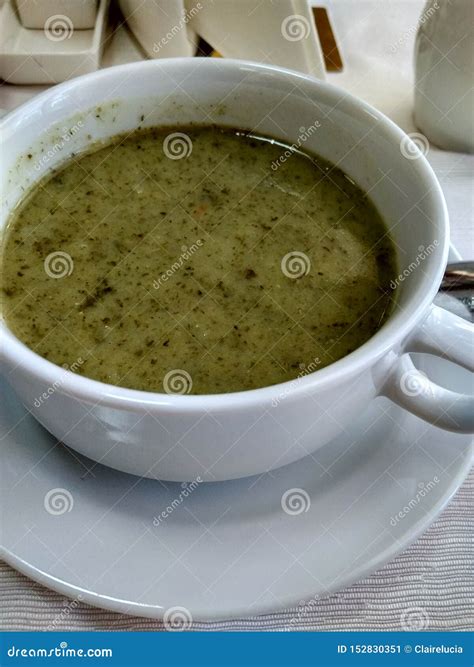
point(196, 260)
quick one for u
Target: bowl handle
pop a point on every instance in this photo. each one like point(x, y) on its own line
point(445, 335)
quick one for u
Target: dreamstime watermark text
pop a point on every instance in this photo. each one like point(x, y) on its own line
point(412, 30)
point(423, 491)
point(305, 370)
point(187, 489)
point(177, 28)
point(65, 612)
point(67, 135)
point(42, 398)
point(423, 253)
point(304, 609)
point(305, 134)
point(187, 253)
point(61, 651)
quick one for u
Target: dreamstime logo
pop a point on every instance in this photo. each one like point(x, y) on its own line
point(414, 145)
point(423, 253)
point(177, 619)
point(177, 381)
point(58, 28)
point(177, 145)
point(295, 264)
point(62, 650)
point(58, 501)
point(58, 264)
point(415, 383)
point(294, 28)
point(295, 501)
point(414, 619)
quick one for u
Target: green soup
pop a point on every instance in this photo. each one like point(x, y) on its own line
point(196, 260)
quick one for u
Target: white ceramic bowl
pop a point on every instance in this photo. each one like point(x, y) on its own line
point(217, 437)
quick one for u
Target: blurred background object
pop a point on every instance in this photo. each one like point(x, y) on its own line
point(55, 52)
point(49, 41)
point(35, 14)
point(281, 33)
point(444, 74)
point(162, 27)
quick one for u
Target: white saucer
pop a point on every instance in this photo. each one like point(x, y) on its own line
point(229, 549)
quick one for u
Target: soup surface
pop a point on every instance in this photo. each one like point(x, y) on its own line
point(196, 260)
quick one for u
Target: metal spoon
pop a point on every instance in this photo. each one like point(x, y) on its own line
point(458, 281)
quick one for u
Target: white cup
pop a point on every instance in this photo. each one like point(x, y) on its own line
point(225, 436)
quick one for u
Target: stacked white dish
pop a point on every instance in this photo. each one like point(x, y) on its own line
point(55, 40)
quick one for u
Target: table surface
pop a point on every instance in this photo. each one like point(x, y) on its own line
point(433, 576)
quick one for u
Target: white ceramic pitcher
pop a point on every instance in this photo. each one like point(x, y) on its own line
point(444, 73)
